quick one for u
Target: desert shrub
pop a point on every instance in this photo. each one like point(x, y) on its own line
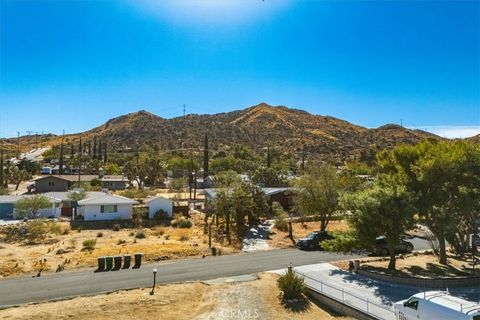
point(73, 243)
point(89, 244)
point(341, 242)
point(178, 184)
point(59, 228)
point(184, 223)
point(291, 285)
point(37, 230)
point(96, 183)
point(121, 241)
point(167, 237)
point(281, 223)
point(184, 238)
point(100, 234)
point(161, 215)
point(140, 234)
point(60, 267)
point(159, 231)
point(116, 227)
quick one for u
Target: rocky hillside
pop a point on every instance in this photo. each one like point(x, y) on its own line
point(256, 127)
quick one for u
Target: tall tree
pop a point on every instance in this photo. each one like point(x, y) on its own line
point(2, 178)
point(105, 156)
point(382, 210)
point(269, 157)
point(60, 165)
point(205, 156)
point(94, 147)
point(30, 206)
point(444, 178)
point(318, 193)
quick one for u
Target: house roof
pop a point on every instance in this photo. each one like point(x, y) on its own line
point(114, 178)
point(106, 199)
point(212, 192)
point(64, 194)
point(148, 200)
point(69, 177)
point(14, 198)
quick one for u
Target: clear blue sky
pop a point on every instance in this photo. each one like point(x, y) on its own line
point(74, 64)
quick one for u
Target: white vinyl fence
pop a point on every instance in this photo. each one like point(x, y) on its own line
point(374, 309)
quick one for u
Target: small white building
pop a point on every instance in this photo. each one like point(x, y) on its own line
point(157, 203)
point(106, 207)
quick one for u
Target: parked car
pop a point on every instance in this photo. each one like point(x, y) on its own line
point(312, 240)
point(436, 305)
point(381, 247)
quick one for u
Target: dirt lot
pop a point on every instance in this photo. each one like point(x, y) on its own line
point(56, 250)
point(280, 239)
point(247, 300)
point(419, 265)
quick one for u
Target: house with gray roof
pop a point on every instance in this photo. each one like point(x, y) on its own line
point(106, 207)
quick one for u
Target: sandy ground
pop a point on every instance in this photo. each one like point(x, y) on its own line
point(161, 243)
point(245, 300)
point(419, 265)
point(280, 239)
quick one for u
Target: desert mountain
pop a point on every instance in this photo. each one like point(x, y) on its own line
point(288, 129)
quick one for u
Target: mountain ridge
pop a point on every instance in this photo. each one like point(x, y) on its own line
point(289, 129)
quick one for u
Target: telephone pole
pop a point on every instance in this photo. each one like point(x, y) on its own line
point(18, 144)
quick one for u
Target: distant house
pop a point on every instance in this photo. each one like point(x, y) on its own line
point(114, 182)
point(68, 206)
point(7, 207)
point(56, 183)
point(284, 196)
point(157, 203)
point(106, 207)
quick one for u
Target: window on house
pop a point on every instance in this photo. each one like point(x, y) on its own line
point(108, 208)
point(51, 183)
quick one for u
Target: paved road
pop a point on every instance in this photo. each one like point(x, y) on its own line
point(71, 284)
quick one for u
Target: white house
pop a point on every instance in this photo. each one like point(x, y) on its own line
point(106, 207)
point(8, 211)
point(157, 203)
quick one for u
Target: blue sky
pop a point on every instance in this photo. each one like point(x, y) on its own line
point(75, 64)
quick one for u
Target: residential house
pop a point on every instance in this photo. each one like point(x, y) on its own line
point(106, 207)
point(284, 196)
point(7, 207)
point(68, 206)
point(56, 183)
point(114, 182)
point(156, 203)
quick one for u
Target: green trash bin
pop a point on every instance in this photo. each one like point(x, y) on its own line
point(108, 263)
point(127, 260)
point(117, 262)
point(101, 264)
point(138, 260)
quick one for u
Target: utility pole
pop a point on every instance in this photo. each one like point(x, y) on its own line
point(60, 165)
point(18, 144)
point(1, 169)
point(79, 161)
point(205, 157)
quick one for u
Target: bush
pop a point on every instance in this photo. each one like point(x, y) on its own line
point(100, 234)
point(89, 244)
point(281, 223)
point(37, 230)
point(185, 223)
point(121, 241)
point(184, 238)
point(140, 234)
point(116, 227)
point(161, 215)
point(291, 285)
point(159, 231)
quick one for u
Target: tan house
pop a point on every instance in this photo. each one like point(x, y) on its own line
point(57, 183)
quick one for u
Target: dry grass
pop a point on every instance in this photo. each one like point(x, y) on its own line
point(422, 265)
point(161, 243)
point(176, 302)
point(280, 239)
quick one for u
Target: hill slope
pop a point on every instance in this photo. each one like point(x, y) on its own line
point(255, 127)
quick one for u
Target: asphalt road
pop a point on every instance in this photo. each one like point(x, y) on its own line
point(14, 291)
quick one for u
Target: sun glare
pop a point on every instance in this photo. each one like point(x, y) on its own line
point(209, 11)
